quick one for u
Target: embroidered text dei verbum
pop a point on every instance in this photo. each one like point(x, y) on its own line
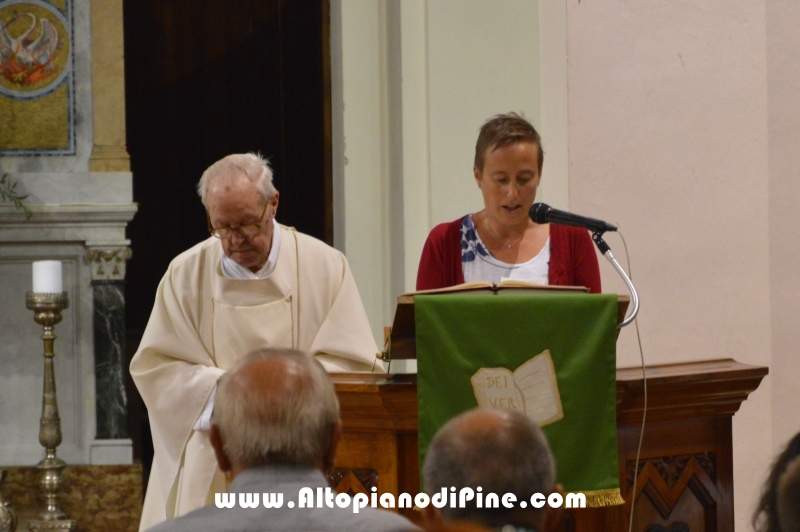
point(327, 498)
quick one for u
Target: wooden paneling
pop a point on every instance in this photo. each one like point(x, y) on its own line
point(379, 418)
point(684, 475)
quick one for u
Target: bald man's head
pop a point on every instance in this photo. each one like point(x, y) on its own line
point(275, 407)
point(500, 451)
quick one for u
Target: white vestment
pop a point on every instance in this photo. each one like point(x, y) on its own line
point(203, 322)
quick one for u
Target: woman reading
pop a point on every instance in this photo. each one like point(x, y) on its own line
point(500, 241)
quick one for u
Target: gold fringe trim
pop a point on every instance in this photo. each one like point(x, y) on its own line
point(601, 498)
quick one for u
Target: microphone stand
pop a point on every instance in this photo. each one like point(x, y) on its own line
point(597, 236)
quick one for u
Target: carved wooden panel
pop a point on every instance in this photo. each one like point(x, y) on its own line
point(671, 467)
point(680, 492)
point(352, 481)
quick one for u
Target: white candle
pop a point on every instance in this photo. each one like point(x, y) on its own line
point(47, 277)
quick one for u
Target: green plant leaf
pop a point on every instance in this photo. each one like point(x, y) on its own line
point(8, 192)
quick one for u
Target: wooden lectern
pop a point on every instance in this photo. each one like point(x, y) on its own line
point(685, 472)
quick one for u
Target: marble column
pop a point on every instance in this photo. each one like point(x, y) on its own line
point(111, 405)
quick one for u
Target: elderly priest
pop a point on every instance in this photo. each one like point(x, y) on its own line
point(252, 284)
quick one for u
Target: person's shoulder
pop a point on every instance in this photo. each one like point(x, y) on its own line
point(315, 253)
point(311, 243)
point(195, 254)
point(445, 229)
point(568, 233)
point(389, 521)
point(366, 520)
point(200, 519)
point(566, 230)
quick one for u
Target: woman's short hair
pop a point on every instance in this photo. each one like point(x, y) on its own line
point(250, 165)
point(765, 518)
point(502, 130)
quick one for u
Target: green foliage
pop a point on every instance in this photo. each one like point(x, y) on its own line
point(8, 192)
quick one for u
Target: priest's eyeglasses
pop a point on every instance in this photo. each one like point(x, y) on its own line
point(245, 230)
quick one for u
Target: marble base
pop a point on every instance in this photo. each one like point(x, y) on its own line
point(98, 498)
point(61, 525)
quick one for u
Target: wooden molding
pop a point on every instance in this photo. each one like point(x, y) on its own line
point(708, 388)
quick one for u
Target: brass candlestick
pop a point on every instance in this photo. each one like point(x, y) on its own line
point(8, 523)
point(47, 309)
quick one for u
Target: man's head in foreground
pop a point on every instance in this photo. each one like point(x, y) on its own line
point(275, 407)
point(500, 451)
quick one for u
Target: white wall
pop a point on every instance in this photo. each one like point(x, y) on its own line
point(783, 119)
point(669, 137)
point(676, 120)
point(361, 149)
point(413, 81)
point(482, 60)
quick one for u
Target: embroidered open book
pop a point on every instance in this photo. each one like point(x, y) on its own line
point(532, 389)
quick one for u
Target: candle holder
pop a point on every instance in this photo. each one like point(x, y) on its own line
point(47, 309)
point(8, 523)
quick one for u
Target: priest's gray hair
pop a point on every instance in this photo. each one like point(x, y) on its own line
point(289, 421)
point(501, 451)
point(250, 165)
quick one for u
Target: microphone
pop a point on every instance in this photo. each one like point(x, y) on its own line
point(542, 214)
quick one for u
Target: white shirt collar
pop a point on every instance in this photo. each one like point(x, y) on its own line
point(232, 270)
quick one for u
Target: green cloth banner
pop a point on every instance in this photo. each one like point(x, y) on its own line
point(458, 334)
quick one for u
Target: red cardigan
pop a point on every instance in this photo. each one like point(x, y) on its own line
point(573, 261)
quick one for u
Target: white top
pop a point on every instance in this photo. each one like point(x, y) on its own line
point(233, 270)
point(480, 265)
